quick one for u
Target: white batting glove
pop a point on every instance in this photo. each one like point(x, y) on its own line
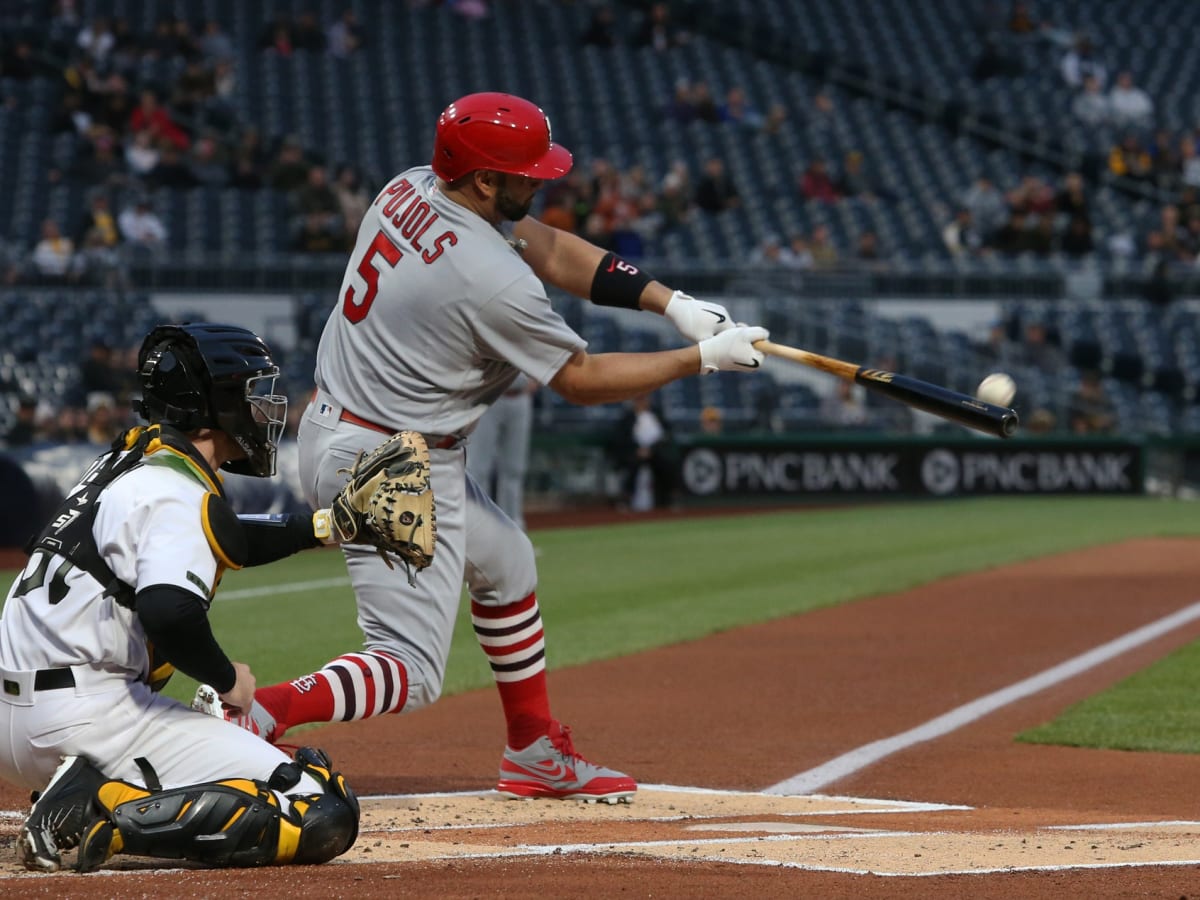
point(697, 319)
point(732, 350)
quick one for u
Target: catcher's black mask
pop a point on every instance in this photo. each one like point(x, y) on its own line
point(202, 375)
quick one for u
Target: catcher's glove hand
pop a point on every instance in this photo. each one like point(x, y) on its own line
point(388, 503)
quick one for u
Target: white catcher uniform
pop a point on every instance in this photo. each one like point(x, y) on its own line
point(74, 663)
point(437, 316)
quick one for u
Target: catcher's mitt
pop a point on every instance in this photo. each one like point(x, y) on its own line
point(388, 503)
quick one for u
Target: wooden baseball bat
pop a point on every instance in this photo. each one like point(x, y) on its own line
point(943, 402)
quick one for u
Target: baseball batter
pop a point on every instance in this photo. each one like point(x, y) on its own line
point(442, 308)
point(116, 594)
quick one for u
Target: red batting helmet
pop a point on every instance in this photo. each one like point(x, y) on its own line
point(499, 132)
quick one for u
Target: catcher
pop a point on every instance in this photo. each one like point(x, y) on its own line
point(115, 596)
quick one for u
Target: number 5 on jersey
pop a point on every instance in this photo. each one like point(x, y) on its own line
point(382, 245)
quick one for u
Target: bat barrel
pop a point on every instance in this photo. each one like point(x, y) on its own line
point(939, 401)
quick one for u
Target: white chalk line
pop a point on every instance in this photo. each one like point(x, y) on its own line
point(861, 757)
point(293, 587)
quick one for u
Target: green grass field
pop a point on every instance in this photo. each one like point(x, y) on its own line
point(614, 590)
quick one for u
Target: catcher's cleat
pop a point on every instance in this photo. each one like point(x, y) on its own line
point(59, 815)
point(550, 767)
point(257, 721)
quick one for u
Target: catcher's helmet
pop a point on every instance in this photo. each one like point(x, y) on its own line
point(201, 375)
point(499, 132)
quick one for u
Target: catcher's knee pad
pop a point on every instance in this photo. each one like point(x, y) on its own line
point(328, 821)
point(238, 822)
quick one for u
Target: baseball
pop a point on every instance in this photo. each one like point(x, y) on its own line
point(997, 389)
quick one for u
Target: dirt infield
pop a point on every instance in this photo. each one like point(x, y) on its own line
point(901, 709)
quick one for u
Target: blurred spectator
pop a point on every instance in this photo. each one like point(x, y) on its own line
point(674, 204)
point(1130, 159)
point(141, 154)
point(308, 34)
point(715, 191)
point(98, 218)
point(249, 161)
point(1131, 106)
point(799, 255)
point(1041, 422)
point(680, 107)
point(352, 198)
point(704, 105)
point(102, 425)
point(1035, 349)
point(141, 226)
point(96, 262)
point(317, 197)
point(1189, 161)
point(1072, 197)
point(1013, 238)
point(17, 61)
point(1077, 241)
point(97, 374)
point(99, 163)
point(1176, 243)
point(658, 31)
point(468, 9)
point(867, 247)
point(1020, 19)
point(987, 206)
point(193, 89)
point(854, 180)
point(346, 35)
point(1080, 62)
point(711, 421)
point(1041, 239)
point(844, 406)
point(1090, 409)
point(289, 170)
point(208, 163)
point(561, 213)
point(960, 235)
point(994, 62)
point(314, 236)
point(771, 252)
point(775, 118)
point(51, 259)
point(601, 28)
point(24, 429)
point(151, 116)
point(815, 183)
point(215, 44)
point(737, 110)
point(277, 35)
point(644, 452)
point(820, 247)
point(96, 39)
point(172, 171)
point(1092, 106)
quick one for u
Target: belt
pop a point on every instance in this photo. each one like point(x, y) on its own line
point(43, 680)
point(438, 441)
point(53, 679)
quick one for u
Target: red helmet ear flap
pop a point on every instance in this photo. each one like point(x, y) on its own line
point(500, 132)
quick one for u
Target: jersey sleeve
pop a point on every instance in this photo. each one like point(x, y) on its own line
point(172, 548)
point(518, 325)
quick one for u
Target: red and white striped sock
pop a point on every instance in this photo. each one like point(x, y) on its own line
point(353, 686)
point(513, 639)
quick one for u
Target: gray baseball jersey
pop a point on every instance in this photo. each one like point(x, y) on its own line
point(436, 316)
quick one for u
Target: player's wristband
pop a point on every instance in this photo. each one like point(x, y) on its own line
point(618, 283)
point(322, 524)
